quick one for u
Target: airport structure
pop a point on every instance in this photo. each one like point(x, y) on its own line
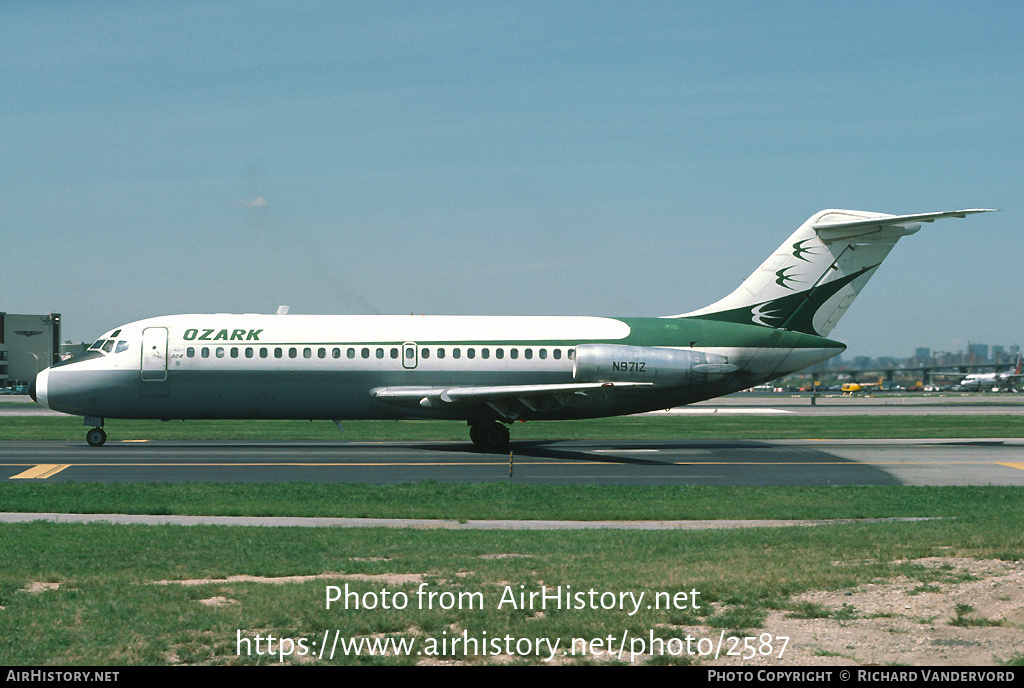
point(28, 344)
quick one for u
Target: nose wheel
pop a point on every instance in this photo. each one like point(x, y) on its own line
point(96, 437)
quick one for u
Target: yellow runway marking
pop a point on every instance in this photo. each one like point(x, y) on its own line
point(42, 471)
point(1019, 466)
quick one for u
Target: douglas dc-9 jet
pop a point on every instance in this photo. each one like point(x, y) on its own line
point(487, 371)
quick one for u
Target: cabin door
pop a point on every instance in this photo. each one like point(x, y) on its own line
point(154, 354)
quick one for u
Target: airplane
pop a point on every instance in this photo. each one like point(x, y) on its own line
point(488, 371)
point(979, 381)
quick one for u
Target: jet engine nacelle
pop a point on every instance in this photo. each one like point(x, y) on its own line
point(662, 366)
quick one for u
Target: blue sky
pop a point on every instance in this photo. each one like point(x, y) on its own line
point(603, 158)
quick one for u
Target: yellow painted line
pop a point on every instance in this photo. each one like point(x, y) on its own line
point(42, 471)
point(1019, 466)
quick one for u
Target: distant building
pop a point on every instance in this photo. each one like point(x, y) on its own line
point(28, 344)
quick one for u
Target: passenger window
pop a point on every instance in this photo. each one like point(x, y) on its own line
point(322, 352)
point(424, 352)
point(263, 352)
point(234, 352)
point(351, 353)
point(293, 352)
point(485, 353)
point(571, 354)
point(456, 353)
point(471, 353)
point(380, 352)
point(499, 353)
point(440, 352)
point(205, 352)
point(336, 352)
point(557, 354)
point(514, 353)
point(278, 352)
point(365, 352)
point(248, 352)
point(220, 352)
point(394, 352)
point(190, 352)
point(307, 352)
point(543, 354)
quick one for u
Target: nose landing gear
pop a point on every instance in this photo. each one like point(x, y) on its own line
point(97, 436)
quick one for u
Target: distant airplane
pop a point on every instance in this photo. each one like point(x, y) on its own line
point(979, 381)
point(487, 371)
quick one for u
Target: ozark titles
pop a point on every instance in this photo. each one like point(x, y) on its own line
point(207, 335)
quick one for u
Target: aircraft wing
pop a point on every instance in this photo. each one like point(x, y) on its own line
point(501, 398)
point(831, 231)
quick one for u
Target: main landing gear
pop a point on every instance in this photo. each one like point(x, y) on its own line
point(489, 436)
point(97, 436)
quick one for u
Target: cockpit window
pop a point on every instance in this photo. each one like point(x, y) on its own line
point(108, 346)
point(121, 346)
point(98, 344)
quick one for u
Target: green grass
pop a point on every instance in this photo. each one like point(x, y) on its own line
point(463, 501)
point(109, 609)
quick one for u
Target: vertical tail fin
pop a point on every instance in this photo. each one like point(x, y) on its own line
point(808, 283)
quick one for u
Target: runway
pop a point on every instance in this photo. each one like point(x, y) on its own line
point(678, 462)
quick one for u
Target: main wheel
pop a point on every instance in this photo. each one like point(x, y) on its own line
point(489, 437)
point(96, 437)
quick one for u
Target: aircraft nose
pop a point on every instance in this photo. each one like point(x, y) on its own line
point(37, 388)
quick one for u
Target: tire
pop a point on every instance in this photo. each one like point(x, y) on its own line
point(96, 437)
point(490, 437)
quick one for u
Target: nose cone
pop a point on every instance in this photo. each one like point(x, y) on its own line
point(37, 388)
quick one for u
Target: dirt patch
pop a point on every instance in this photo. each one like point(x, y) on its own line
point(37, 587)
point(971, 614)
point(390, 578)
point(219, 601)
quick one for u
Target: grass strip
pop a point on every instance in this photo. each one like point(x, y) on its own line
point(464, 501)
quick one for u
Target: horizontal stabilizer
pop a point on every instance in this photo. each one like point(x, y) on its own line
point(848, 229)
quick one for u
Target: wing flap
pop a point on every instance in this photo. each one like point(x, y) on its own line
point(462, 395)
point(508, 401)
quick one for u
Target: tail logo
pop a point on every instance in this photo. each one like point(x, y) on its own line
point(783, 277)
point(758, 314)
point(799, 250)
